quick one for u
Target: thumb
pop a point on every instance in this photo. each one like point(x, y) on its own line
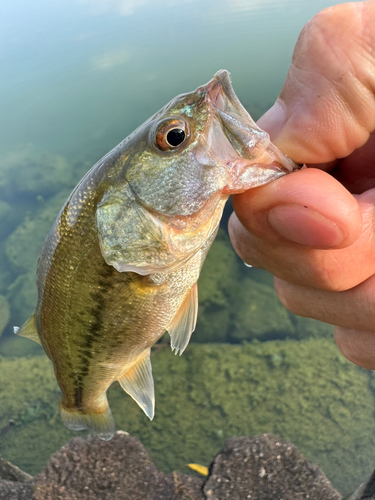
point(326, 108)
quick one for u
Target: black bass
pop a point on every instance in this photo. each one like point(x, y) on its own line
point(120, 265)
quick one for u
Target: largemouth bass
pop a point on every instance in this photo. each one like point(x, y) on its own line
point(120, 264)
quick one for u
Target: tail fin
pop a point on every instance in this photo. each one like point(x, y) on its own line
point(100, 422)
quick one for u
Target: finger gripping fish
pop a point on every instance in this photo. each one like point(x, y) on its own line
point(120, 264)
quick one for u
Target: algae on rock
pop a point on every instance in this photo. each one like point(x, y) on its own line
point(259, 314)
point(22, 249)
point(238, 304)
point(303, 391)
point(15, 346)
point(4, 313)
point(24, 244)
point(32, 172)
point(218, 285)
point(6, 218)
point(28, 178)
point(22, 296)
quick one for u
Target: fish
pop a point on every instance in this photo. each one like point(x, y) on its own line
point(120, 265)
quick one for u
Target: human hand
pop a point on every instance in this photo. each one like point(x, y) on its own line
point(314, 230)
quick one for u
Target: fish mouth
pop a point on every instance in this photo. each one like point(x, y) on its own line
point(250, 156)
point(218, 87)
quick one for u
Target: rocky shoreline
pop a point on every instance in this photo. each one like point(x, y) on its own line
point(256, 468)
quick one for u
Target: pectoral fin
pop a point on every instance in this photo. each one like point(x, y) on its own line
point(28, 330)
point(139, 384)
point(183, 324)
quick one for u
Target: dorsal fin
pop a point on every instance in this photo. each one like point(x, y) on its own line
point(139, 384)
point(28, 330)
point(183, 324)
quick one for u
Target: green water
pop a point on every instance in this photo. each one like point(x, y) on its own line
point(77, 76)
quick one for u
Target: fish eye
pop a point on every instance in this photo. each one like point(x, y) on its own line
point(171, 133)
point(176, 136)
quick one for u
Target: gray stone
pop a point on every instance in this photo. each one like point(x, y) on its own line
point(10, 490)
point(255, 468)
point(263, 468)
point(11, 472)
point(90, 469)
point(366, 491)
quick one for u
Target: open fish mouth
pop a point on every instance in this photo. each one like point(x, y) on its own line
point(248, 153)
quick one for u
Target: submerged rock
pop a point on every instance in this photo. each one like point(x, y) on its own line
point(218, 288)
point(5, 217)
point(31, 172)
point(4, 313)
point(304, 391)
point(253, 318)
point(23, 245)
point(22, 249)
point(258, 468)
point(238, 304)
point(22, 295)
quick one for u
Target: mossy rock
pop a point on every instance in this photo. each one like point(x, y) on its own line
point(4, 313)
point(214, 321)
point(15, 346)
point(24, 244)
point(218, 287)
point(239, 304)
point(306, 327)
point(22, 296)
point(7, 275)
point(259, 314)
point(304, 391)
point(33, 173)
point(258, 275)
point(6, 218)
point(220, 270)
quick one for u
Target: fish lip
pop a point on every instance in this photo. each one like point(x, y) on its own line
point(220, 84)
point(275, 171)
point(252, 147)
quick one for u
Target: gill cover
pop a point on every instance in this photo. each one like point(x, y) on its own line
point(133, 239)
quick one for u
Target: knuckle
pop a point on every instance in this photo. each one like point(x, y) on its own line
point(328, 271)
point(354, 350)
point(290, 296)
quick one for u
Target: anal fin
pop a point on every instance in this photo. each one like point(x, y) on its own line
point(139, 384)
point(28, 330)
point(183, 324)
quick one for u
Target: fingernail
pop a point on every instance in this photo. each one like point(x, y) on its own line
point(273, 120)
point(304, 226)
